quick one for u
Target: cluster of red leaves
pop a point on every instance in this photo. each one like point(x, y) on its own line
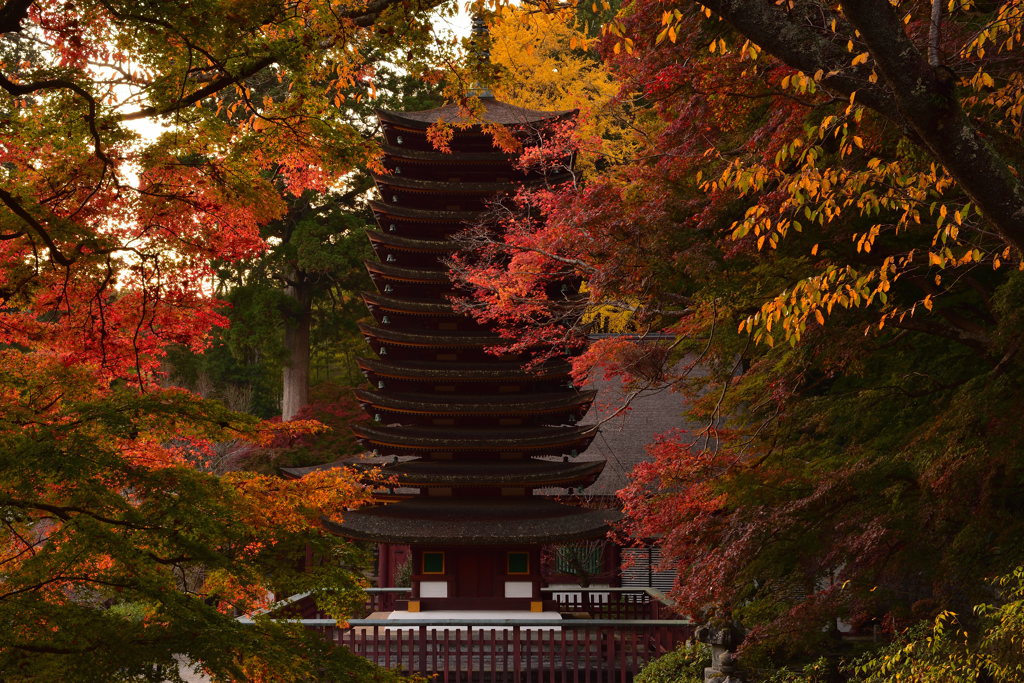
point(318, 434)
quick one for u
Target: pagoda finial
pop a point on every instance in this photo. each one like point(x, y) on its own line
point(480, 53)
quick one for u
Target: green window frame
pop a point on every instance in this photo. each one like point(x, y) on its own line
point(433, 563)
point(518, 563)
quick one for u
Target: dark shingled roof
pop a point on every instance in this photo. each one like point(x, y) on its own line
point(362, 461)
point(493, 112)
point(424, 214)
point(541, 440)
point(400, 305)
point(483, 372)
point(458, 187)
point(474, 521)
point(623, 439)
point(405, 153)
point(407, 274)
point(421, 472)
point(412, 244)
point(413, 472)
point(475, 404)
point(430, 338)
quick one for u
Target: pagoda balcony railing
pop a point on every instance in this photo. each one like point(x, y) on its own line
point(614, 603)
point(599, 602)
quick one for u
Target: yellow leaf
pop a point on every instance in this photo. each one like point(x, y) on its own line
point(814, 250)
point(857, 141)
point(820, 317)
point(713, 46)
point(928, 302)
point(862, 58)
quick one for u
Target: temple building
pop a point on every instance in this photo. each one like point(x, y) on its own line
point(462, 438)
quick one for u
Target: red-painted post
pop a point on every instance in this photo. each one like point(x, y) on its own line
point(517, 652)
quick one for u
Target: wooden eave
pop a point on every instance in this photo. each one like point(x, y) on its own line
point(493, 112)
point(415, 156)
point(430, 371)
point(412, 244)
point(458, 187)
point(396, 274)
point(430, 338)
point(426, 473)
point(474, 521)
point(474, 405)
point(429, 307)
point(423, 215)
point(543, 440)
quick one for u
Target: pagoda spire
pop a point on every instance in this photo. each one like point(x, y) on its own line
point(480, 52)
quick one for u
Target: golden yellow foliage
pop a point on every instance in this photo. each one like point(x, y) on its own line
point(610, 318)
point(547, 66)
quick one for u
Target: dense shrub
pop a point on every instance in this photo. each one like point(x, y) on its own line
point(685, 664)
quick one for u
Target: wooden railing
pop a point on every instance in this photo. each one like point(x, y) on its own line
point(614, 603)
point(570, 650)
point(383, 599)
point(511, 651)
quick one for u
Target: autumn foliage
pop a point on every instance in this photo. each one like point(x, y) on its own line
point(121, 555)
point(841, 290)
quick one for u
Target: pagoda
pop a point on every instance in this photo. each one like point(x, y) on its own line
point(472, 434)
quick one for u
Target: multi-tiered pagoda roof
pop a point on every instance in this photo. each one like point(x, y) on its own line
point(474, 433)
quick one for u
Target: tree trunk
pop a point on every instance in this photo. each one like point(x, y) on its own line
point(918, 98)
point(296, 340)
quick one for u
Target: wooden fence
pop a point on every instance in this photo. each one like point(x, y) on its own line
point(583, 651)
point(622, 630)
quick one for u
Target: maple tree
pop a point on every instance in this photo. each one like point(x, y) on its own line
point(791, 184)
point(120, 555)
